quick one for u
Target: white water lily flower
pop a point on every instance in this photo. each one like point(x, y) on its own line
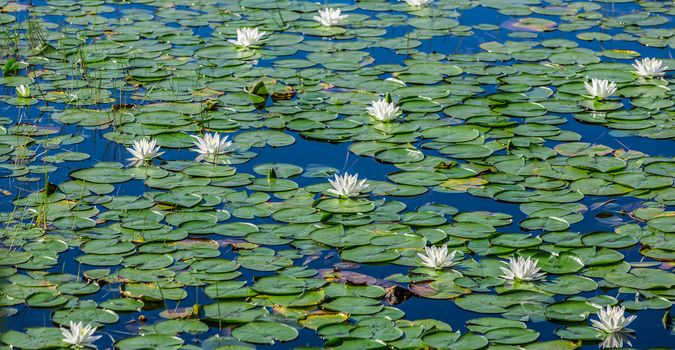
point(612, 320)
point(383, 111)
point(347, 186)
point(23, 91)
point(330, 17)
point(650, 67)
point(143, 151)
point(248, 37)
point(210, 146)
point(437, 257)
point(419, 3)
point(522, 269)
point(600, 88)
point(79, 335)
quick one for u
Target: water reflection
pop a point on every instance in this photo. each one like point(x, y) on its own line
point(616, 340)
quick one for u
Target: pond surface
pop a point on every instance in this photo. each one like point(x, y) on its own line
point(497, 150)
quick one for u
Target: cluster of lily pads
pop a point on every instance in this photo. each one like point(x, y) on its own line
point(174, 261)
